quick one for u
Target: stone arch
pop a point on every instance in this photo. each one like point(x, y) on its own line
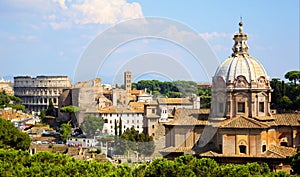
point(241, 82)
point(261, 82)
point(243, 147)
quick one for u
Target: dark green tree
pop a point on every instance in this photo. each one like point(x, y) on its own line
point(295, 161)
point(140, 142)
point(91, 124)
point(4, 99)
point(50, 110)
point(11, 137)
point(43, 115)
point(116, 128)
point(293, 76)
point(65, 131)
point(71, 110)
point(120, 126)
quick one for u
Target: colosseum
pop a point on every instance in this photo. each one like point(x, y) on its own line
point(36, 93)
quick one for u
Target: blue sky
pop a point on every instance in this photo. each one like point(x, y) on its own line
point(49, 37)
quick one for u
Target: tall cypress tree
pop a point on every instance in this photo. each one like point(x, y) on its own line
point(120, 126)
point(116, 128)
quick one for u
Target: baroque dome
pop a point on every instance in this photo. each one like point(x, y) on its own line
point(240, 63)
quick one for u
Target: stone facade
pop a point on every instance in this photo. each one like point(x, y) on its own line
point(36, 93)
point(162, 110)
point(240, 123)
point(88, 96)
point(6, 86)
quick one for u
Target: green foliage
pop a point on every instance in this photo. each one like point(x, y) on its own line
point(17, 107)
point(90, 125)
point(11, 137)
point(50, 110)
point(43, 115)
point(5, 101)
point(293, 76)
point(120, 126)
point(134, 141)
point(285, 96)
point(295, 161)
point(15, 99)
point(21, 163)
point(65, 131)
point(116, 128)
point(174, 89)
point(70, 109)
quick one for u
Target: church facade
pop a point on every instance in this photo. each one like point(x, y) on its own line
point(240, 122)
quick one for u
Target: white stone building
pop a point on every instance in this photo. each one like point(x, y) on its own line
point(130, 117)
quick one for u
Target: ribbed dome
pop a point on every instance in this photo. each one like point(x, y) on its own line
point(241, 63)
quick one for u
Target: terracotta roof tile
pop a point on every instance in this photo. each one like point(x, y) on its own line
point(177, 149)
point(190, 117)
point(287, 119)
point(115, 110)
point(174, 101)
point(280, 151)
point(242, 122)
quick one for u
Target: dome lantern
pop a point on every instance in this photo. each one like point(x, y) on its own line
point(240, 46)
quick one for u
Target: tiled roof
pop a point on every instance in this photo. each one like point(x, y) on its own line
point(152, 116)
point(242, 122)
point(287, 119)
point(137, 92)
point(137, 106)
point(189, 117)
point(115, 110)
point(174, 101)
point(153, 102)
point(177, 149)
point(280, 151)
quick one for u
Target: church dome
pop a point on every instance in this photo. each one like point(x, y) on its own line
point(240, 63)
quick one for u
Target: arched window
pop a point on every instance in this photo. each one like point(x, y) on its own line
point(263, 148)
point(283, 144)
point(243, 149)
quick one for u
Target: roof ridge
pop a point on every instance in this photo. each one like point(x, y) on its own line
point(255, 121)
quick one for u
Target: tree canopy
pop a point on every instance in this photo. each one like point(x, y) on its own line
point(11, 137)
point(173, 89)
point(91, 124)
point(285, 96)
point(65, 131)
point(295, 161)
point(70, 109)
point(11, 101)
point(21, 163)
point(132, 140)
point(293, 76)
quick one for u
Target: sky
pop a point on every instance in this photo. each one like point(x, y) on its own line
point(57, 37)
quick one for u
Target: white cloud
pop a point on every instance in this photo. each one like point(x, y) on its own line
point(214, 35)
point(60, 25)
point(105, 11)
point(61, 3)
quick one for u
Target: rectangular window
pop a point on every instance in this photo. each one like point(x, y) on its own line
point(221, 107)
point(241, 107)
point(153, 111)
point(261, 107)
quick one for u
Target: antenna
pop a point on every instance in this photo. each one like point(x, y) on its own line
point(241, 19)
